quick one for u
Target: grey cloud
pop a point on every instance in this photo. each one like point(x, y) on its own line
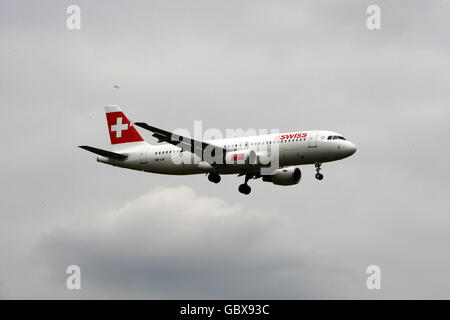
point(173, 243)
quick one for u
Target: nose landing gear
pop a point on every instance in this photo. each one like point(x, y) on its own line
point(319, 176)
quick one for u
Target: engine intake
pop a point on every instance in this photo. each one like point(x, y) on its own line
point(284, 176)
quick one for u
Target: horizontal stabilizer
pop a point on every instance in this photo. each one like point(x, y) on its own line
point(105, 153)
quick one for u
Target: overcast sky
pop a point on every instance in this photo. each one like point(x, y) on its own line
point(287, 65)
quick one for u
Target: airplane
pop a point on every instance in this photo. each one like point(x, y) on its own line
point(244, 156)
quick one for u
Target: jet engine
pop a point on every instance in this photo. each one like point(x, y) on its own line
point(284, 176)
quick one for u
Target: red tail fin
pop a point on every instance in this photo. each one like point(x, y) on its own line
point(120, 128)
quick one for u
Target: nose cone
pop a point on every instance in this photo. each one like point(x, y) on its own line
point(351, 148)
point(347, 148)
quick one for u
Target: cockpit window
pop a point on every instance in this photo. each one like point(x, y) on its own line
point(335, 138)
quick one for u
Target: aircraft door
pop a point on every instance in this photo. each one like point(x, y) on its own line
point(143, 156)
point(312, 139)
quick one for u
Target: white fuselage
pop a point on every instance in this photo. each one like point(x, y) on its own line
point(293, 148)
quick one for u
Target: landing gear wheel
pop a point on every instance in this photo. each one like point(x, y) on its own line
point(214, 177)
point(244, 188)
point(319, 176)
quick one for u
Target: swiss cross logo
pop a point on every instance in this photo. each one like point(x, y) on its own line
point(119, 127)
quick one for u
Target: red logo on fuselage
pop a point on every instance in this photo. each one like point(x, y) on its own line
point(237, 157)
point(293, 135)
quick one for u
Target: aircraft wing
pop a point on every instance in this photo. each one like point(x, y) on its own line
point(185, 143)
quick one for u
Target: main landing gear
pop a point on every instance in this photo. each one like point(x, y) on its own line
point(319, 176)
point(245, 188)
point(214, 177)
